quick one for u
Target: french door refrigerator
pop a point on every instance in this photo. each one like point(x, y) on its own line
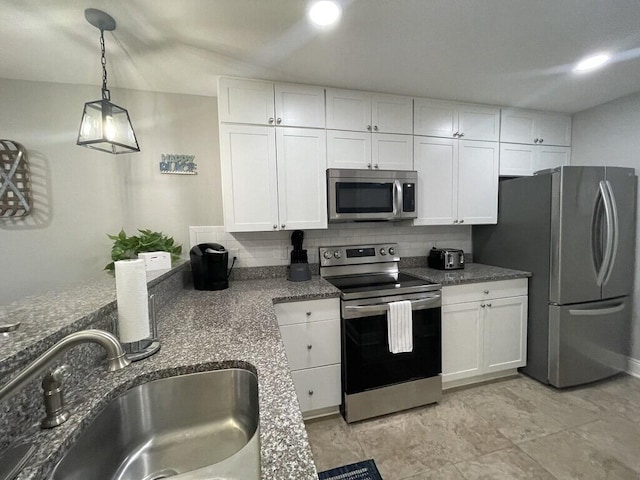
point(573, 228)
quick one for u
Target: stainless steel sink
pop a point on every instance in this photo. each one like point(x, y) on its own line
point(196, 426)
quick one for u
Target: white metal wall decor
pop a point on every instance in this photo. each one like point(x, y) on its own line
point(178, 164)
point(15, 181)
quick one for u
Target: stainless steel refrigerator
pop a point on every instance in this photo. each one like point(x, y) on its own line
point(573, 228)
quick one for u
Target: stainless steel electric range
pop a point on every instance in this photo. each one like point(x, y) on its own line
point(374, 380)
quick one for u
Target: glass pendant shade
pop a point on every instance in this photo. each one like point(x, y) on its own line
point(107, 127)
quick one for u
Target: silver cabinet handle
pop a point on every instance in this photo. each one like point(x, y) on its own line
point(310, 392)
point(461, 221)
point(309, 347)
point(279, 121)
point(535, 140)
point(368, 165)
point(375, 127)
point(541, 140)
point(282, 226)
point(486, 292)
point(308, 314)
point(275, 227)
point(482, 305)
point(460, 135)
point(375, 166)
point(456, 134)
point(369, 127)
point(270, 119)
point(455, 221)
point(488, 304)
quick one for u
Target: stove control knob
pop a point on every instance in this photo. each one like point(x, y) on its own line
point(337, 254)
point(392, 251)
point(327, 255)
point(383, 251)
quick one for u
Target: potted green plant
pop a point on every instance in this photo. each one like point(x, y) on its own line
point(125, 247)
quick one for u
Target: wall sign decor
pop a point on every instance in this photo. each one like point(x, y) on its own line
point(178, 164)
point(15, 180)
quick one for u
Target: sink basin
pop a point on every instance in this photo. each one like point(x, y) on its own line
point(196, 426)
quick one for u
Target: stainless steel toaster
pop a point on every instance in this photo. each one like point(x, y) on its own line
point(446, 258)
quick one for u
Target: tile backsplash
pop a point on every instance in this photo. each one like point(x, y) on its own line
point(259, 249)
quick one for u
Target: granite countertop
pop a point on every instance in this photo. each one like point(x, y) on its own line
point(200, 331)
point(471, 273)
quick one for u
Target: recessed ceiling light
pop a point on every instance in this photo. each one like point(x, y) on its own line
point(325, 12)
point(593, 62)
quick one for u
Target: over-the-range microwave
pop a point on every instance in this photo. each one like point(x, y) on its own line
point(371, 195)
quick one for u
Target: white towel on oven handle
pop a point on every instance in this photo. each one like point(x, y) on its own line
point(400, 327)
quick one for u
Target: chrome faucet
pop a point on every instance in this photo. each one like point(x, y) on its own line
point(52, 383)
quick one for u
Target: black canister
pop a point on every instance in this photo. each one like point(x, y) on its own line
point(209, 263)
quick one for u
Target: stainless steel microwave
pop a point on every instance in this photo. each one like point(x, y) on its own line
point(371, 195)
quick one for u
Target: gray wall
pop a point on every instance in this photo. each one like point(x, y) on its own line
point(81, 194)
point(609, 134)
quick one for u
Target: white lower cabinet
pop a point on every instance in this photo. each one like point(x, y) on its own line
point(484, 330)
point(311, 335)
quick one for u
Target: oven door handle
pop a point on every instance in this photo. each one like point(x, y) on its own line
point(431, 302)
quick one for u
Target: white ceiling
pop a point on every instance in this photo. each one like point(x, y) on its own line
point(504, 52)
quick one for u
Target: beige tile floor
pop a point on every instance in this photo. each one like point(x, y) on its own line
point(513, 429)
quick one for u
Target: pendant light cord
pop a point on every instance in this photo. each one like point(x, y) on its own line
point(106, 95)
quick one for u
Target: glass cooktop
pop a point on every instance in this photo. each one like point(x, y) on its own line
point(370, 285)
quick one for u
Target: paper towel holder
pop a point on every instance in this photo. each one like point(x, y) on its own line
point(147, 346)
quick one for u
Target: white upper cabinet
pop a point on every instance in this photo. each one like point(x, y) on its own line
point(265, 103)
point(392, 152)
point(347, 149)
point(245, 101)
point(273, 178)
point(249, 177)
point(302, 192)
point(518, 160)
point(299, 105)
point(457, 181)
point(537, 128)
point(439, 118)
point(365, 112)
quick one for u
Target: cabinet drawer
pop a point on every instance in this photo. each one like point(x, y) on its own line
point(307, 311)
point(312, 344)
point(317, 387)
point(482, 291)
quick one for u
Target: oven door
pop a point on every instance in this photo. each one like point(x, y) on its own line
point(367, 362)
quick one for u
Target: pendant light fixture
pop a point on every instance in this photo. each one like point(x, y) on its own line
point(105, 126)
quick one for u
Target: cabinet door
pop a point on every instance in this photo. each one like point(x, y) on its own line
point(553, 129)
point(318, 387)
point(435, 118)
point(348, 149)
point(299, 105)
point(462, 339)
point(477, 122)
point(505, 333)
point(517, 160)
point(392, 114)
point(435, 160)
point(392, 152)
point(551, 157)
point(518, 126)
point(312, 344)
point(477, 182)
point(249, 178)
point(245, 101)
point(348, 110)
point(302, 184)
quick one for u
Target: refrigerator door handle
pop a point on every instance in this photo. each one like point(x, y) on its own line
point(608, 250)
point(598, 311)
point(615, 229)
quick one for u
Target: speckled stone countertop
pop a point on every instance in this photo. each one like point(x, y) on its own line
point(47, 318)
point(471, 273)
point(203, 331)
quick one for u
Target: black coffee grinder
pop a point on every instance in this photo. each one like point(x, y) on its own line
point(299, 269)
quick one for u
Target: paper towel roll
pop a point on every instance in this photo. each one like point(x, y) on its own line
point(133, 302)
